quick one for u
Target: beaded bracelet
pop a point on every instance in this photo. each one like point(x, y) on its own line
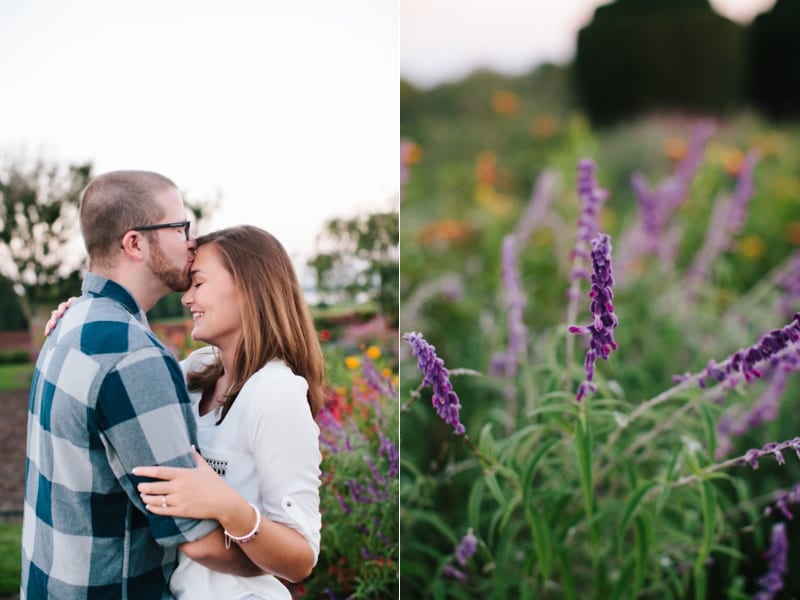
point(243, 539)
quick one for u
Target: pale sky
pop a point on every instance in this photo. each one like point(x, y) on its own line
point(445, 40)
point(288, 110)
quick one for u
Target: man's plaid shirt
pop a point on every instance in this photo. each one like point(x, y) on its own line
point(106, 396)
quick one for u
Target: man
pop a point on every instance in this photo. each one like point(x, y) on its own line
point(107, 396)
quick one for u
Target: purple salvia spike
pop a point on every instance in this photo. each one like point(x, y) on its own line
point(778, 554)
point(435, 375)
point(604, 321)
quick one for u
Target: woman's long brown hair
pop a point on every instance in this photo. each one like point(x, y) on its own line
point(276, 321)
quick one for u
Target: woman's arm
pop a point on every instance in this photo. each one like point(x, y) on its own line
point(200, 493)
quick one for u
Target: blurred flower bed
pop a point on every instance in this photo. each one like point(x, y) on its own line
point(359, 442)
point(617, 417)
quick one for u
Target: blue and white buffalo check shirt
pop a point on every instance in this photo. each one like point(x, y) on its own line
point(106, 396)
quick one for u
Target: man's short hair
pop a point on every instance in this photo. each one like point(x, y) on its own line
point(114, 203)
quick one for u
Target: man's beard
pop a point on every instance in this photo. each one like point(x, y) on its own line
point(177, 279)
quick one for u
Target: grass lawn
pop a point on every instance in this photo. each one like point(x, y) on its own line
point(15, 377)
point(9, 558)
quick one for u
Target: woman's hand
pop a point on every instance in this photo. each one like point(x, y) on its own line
point(184, 492)
point(56, 315)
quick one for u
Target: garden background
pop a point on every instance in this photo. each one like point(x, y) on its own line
point(353, 296)
point(646, 487)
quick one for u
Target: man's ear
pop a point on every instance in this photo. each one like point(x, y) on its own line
point(132, 243)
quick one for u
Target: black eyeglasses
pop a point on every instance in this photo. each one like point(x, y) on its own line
point(185, 224)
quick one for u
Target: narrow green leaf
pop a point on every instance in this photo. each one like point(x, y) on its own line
point(641, 540)
point(541, 539)
point(494, 488)
point(530, 468)
point(710, 431)
point(433, 519)
point(486, 442)
point(633, 503)
point(474, 502)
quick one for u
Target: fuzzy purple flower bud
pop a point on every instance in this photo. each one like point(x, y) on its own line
point(466, 548)
point(604, 321)
point(778, 555)
point(436, 375)
point(776, 449)
point(451, 571)
point(592, 199)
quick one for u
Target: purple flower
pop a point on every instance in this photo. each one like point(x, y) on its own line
point(375, 380)
point(783, 498)
point(777, 348)
point(466, 548)
point(592, 199)
point(451, 571)
point(656, 206)
point(536, 211)
point(764, 410)
point(789, 285)
point(505, 363)
point(436, 375)
point(776, 449)
point(601, 329)
point(778, 554)
point(389, 448)
point(727, 220)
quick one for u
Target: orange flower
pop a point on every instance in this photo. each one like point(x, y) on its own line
point(373, 353)
point(352, 362)
point(675, 149)
point(543, 126)
point(793, 233)
point(410, 152)
point(446, 230)
point(732, 162)
point(505, 102)
point(486, 168)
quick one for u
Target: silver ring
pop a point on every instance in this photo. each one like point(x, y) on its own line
point(163, 502)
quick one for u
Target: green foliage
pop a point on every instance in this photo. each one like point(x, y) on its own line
point(10, 558)
point(15, 375)
point(621, 495)
point(359, 256)
point(358, 439)
point(38, 220)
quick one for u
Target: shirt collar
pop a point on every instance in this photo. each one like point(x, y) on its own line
point(99, 286)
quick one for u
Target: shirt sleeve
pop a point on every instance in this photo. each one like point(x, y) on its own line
point(284, 439)
point(143, 415)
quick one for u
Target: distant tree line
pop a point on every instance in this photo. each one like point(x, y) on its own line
point(357, 258)
point(647, 55)
point(39, 263)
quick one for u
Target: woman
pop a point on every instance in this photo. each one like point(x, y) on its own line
point(256, 389)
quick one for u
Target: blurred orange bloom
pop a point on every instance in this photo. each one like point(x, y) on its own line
point(410, 152)
point(486, 168)
point(446, 230)
point(505, 102)
point(373, 353)
point(544, 126)
point(352, 362)
point(675, 149)
point(793, 233)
